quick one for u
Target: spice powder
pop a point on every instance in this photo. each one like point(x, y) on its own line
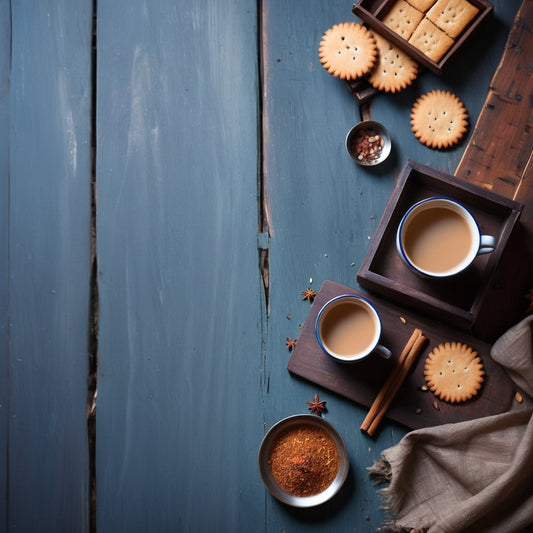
point(304, 460)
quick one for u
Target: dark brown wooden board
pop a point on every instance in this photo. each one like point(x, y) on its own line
point(456, 300)
point(372, 11)
point(499, 155)
point(361, 381)
point(499, 158)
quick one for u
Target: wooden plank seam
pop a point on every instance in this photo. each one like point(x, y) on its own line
point(92, 380)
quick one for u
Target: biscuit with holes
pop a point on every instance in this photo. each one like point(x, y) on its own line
point(421, 5)
point(394, 69)
point(402, 18)
point(439, 119)
point(452, 16)
point(454, 372)
point(348, 50)
point(431, 41)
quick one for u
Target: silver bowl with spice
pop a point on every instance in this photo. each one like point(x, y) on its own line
point(368, 143)
point(303, 460)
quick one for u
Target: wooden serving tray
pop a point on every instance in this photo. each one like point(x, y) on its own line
point(457, 300)
point(372, 11)
point(361, 382)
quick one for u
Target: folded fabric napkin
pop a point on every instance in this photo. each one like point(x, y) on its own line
point(474, 476)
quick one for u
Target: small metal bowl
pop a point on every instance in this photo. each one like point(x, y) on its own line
point(362, 131)
point(266, 472)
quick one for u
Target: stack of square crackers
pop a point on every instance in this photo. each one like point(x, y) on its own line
point(430, 26)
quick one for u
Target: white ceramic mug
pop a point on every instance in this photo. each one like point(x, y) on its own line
point(348, 328)
point(438, 237)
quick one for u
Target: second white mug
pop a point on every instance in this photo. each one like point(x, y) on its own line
point(439, 237)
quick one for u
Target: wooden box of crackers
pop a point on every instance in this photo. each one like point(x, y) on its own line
point(430, 31)
point(457, 300)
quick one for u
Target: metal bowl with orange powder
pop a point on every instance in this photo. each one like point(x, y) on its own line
point(303, 460)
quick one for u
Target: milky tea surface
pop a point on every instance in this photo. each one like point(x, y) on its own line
point(437, 239)
point(348, 329)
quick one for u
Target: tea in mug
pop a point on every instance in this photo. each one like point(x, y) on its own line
point(437, 239)
point(348, 329)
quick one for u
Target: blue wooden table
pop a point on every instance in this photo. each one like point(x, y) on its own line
point(173, 175)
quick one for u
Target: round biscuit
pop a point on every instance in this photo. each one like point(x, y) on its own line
point(454, 372)
point(439, 119)
point(348, 50)
point(394, 69)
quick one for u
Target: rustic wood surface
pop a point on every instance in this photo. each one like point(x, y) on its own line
point(499, 155)
point(499, 158)
point(223, 190)
point(45, 236)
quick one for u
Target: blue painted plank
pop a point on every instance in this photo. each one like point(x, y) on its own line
point(180, 355)
point(5, 61)
point(48, 253)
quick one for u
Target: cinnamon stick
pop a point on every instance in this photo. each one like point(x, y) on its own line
point(394, 381)
point(392, 376)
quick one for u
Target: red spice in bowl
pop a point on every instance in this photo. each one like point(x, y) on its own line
point(303, 460)
point(368, 143)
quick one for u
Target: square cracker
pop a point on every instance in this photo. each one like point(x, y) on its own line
point(433, 42)
point(421, 5)
point(452, 16)
point(402, 18)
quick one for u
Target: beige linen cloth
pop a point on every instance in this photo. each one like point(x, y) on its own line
point(474, 476)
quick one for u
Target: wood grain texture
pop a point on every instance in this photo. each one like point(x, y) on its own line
point(498, 157)
point(500, 154)
point(48, 253)
point(5, 62)
point(180, 380)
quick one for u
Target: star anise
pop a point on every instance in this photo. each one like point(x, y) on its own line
point(291, 343)
point(308, 294)
point(317, 406)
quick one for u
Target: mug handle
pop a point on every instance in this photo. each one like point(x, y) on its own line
point(487, 244)
point(382, 351)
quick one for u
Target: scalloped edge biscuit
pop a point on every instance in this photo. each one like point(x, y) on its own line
point(348, 50)
point(394, 69)
point(439, 119)
point(454, 372)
